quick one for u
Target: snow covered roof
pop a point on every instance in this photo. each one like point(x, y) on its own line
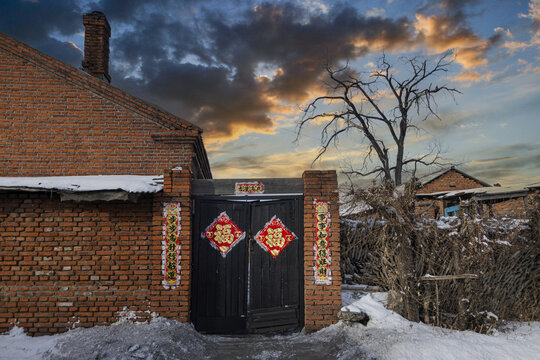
point(535, 185)
point(127, 183)
point(485, 192)
point(349, 205)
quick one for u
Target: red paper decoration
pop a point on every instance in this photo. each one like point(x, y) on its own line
point(274, 237)
point(323, 275)
point(223, 234)
point(171, 244)
point(249, 188)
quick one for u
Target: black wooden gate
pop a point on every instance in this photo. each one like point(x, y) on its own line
point(248, 290)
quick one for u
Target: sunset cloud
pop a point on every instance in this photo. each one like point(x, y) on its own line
point(534, 15)
point(443, 32)
point(243, 70)
point(242, 82)
point(469, 76)
point(233, 84)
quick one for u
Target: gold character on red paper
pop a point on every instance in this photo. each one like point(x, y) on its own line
point(322, 226)
point(171, 228)
point(172, 237)
point(323, 271)
point(171, 275)
point(275, 237)
point(223, 234)
point(322, 261)
point(322, 244)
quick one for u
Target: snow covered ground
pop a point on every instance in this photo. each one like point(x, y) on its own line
point(390, 336)
point(387, 336)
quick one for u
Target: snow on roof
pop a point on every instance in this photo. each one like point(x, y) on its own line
point(534, 185)
point(350, 206)
point(484, 191)
point(128, 183)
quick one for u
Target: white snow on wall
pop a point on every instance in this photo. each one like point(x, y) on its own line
point(129, 183)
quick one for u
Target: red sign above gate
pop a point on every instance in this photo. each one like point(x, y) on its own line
point(249, 188)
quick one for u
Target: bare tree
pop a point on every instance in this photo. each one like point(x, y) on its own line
point(363, 108)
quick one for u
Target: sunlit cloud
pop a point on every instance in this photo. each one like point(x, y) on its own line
point(247, 73)
point(533, 13)
point(447, 31)
point(469, 125)
point(510, 44)
point(489, 161)
point(468, 76)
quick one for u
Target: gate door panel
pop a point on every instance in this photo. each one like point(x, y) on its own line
point(219, 292)
point(248, 290)
point(276, 283)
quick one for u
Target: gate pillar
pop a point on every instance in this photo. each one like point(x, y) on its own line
point(322, 274)
point(172, 301)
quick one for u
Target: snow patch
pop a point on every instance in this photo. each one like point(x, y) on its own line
point(390, 336)
point(129, 183)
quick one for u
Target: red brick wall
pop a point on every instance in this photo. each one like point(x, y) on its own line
point(51, 126)
point(321, 302)
point(429, 209)
point(514, 207)
point(449, 181)
point(67, 264)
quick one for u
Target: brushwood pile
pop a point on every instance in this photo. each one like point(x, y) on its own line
point(466, 272)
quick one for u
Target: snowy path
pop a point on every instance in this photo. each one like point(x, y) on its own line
point(165, 339)
point(387, 336)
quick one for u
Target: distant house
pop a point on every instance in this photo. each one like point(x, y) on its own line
point(442, 193)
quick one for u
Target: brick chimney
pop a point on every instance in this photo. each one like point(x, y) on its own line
point(96, 45)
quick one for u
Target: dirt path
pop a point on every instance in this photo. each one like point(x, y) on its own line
point(170, 340)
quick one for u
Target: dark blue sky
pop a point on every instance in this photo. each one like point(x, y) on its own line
point(242, 70)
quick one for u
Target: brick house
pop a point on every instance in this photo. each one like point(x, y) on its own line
point(58, 120)
point(441, 194)
point(89, 177)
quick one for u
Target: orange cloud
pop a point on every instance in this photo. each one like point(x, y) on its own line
point(441, 33)
point(468, 76)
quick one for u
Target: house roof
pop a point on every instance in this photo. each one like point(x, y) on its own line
point(435, 175)
point(177, 130)
point(95, 85)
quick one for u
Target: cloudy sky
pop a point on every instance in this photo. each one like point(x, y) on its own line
point(244, 70)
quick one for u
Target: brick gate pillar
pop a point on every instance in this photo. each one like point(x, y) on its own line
point(172, 302)
point(322, 288)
